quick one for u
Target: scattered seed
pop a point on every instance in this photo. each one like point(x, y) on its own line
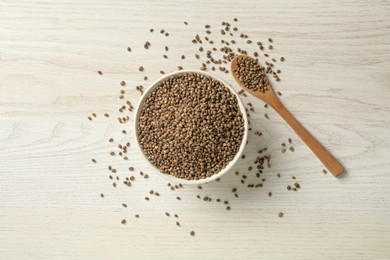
point(228, 54)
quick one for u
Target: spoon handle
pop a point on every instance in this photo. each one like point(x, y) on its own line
point(331, 163)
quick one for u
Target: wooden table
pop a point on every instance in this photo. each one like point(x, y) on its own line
point(335, 80)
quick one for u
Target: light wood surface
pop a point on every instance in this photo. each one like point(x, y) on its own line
point(335, 80)
point(270, 97)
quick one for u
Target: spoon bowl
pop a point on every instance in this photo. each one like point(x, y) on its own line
point(267, 96)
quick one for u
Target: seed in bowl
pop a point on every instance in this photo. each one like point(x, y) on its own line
point(190, 126)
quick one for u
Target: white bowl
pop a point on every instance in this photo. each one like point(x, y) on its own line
point(228, 166)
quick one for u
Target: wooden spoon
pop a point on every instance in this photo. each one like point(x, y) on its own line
point(333, 165)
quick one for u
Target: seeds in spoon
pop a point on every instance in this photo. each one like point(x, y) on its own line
point(251, 73)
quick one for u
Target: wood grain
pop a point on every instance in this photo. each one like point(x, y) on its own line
point(335, 80)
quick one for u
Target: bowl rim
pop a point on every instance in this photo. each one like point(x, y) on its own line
point(169, 177)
